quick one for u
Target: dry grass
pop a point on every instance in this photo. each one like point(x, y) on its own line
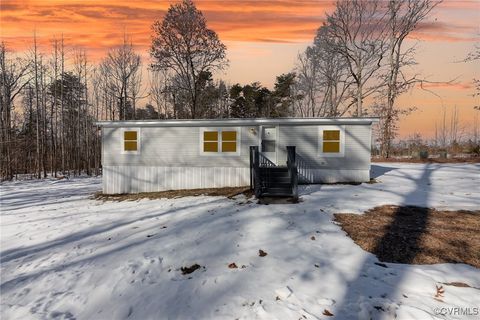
point(170, 194)
point(416, 235)
point(429, 160)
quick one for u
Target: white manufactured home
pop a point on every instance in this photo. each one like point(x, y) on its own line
point(157, 155)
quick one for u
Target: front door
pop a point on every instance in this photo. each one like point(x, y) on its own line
point(269, 143)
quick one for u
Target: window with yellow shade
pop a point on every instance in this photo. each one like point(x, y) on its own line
point(210, 141)
point(331, 141)
point(220, 141)
point(229, 141)
point(130, 140)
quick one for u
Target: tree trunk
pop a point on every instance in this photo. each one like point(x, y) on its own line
point(39, 169)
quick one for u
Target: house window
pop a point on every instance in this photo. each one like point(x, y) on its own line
point(331, 141)
point(220, 141)
point(268, 146)
point(210, 141)
point(229, 141)
point(130, 140)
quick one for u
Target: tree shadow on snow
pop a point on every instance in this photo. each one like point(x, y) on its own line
point(189, 235)
point(373, 294)
point(379, 170)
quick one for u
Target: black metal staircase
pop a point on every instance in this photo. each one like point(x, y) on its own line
point(269, 180)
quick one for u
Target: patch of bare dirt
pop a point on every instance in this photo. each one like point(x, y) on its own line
point(416, 235)
point(229, 192)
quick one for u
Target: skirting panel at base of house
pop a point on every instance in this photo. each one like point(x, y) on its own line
point(307, 176)
point(135, 179)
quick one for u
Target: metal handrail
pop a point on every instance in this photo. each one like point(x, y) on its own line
point(255, 181)
point(265, 162)
point(293, 171)
point(304, 173)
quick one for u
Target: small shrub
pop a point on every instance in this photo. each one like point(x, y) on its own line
point(423, 154)
point(474, 149)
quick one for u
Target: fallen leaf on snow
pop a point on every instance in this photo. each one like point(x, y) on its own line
point(188, 270)
point(327, 313)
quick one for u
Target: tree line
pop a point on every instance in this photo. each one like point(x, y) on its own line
point(50, 99)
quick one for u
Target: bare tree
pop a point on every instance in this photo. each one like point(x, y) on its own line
point(160, 86)
point(37, 105)
point(43, 114)
point(472, 57)
point(475, 129)
point(14, 76)
point(62, 107)
point(53, 108)
point(323, 79)
point(135, 91)
point(334, 77)
point(107, 91)
point(443, 130)
point(96, 97)
point(357, 32)
point(403, 16)
point(184, 45)
point(120, 66)
point(454, 126)
point(306, 86)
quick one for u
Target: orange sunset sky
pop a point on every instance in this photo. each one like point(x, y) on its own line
point(263, 39)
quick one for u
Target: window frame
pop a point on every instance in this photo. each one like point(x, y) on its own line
point(220, 153)
point(210, 141)
point(139, 144)
point(339, 154)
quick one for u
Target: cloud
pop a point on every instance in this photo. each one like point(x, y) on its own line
point(9, 6)
point(447, 85)
point(97, 24)
point(460, 5)
point(260, 21)
point(446, 32)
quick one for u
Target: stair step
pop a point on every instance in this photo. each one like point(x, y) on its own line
point(278, 190)
point(275, 174)
point(279, 194)
point(276, 180)
point(274, 169)
point(281, 185)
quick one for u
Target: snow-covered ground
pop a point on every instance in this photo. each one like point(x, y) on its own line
point(67, 256)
